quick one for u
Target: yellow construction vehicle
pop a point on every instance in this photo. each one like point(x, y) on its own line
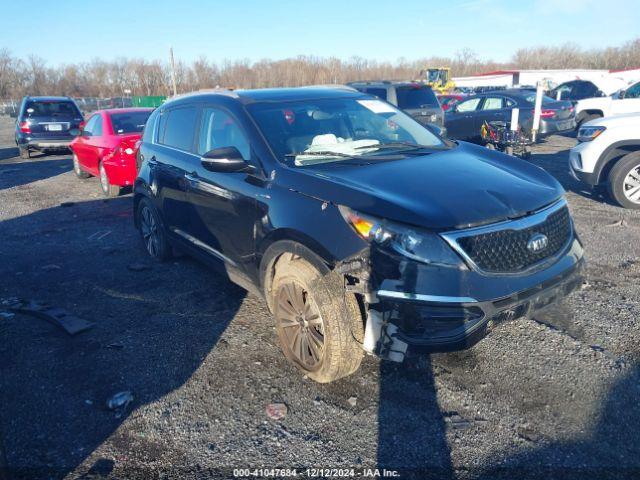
point(438, 78)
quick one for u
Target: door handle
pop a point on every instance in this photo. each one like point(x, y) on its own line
point(192, 177)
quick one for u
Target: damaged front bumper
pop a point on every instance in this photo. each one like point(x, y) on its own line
point(427, 309)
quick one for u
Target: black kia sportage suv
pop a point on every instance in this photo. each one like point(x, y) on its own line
point(361, 228)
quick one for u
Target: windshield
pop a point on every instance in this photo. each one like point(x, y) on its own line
point(130, 122)
point(51, 109)
point(417, 96)
point(339, 129)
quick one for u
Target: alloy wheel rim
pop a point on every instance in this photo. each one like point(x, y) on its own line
point(631, 185)
point(104, 181)
point(149, 229)
point(301, 325)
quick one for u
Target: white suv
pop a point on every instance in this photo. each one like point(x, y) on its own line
point(608, 153)
point(623, 101)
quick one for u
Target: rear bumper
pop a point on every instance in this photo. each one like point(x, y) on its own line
point(121, 171)
point(45, 143)
point(557, 126)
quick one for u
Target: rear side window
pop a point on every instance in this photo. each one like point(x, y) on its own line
point(37, 108)
point(131, 122)
point(90, 126)
point(97, 128)
point(492, 103)
point(381, 93)
point(416, 97)
point(177, 127)
point(149, 128)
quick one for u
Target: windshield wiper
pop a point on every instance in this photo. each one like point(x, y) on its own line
point(397, 145)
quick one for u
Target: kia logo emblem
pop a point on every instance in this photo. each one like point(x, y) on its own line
point(537, 243)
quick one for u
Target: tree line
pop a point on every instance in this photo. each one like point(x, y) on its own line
point(102, 78)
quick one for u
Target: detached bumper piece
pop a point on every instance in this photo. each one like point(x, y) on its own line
point(415, 324)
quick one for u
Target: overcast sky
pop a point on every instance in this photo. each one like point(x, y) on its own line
point(73, 30)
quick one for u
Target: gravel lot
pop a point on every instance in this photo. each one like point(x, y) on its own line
point(550, 397)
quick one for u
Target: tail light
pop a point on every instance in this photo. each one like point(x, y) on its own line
point(127, 148)
point(81, 125)
point(547, 113)
point(25, 127)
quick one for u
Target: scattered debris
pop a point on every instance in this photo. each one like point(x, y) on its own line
point(353, 401)
point(57, 316)
point(116, 345)
point(527, 433)
point(456, 421)
point(67, 204)
point(620, 223)
point(88, 402)
point(51, 267)
point(99, 235)
point(276, 411)
point(316, 401)
point(138, 267)
point(120, 401)
point(7, 315)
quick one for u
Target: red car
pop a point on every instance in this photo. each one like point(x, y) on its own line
point(106, 147)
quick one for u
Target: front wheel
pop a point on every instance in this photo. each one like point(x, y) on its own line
point(108, 189)
point(624, 181)
point(318, 323)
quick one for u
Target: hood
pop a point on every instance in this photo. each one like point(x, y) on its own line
point(623, 120)
point(462, 187)
point(595, 103)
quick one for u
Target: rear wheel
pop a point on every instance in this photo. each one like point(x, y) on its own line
point(318, 323)
point(624, 181)
point(152, 232)
point(77, 169)
point(108, 189)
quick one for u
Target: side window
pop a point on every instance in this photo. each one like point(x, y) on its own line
point(633, 91)
point(177, 126)
point(492, 103)
point(97, 128)
point(87, 131)
point(469, 105)
point(381, 93)
point(149, 128)
point(587, 90)
point(218, 129)
point(509, 103)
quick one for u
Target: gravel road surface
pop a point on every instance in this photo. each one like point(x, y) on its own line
point(555, 396)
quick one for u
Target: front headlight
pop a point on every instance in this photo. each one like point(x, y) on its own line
point(415, 244)
point(586, 134)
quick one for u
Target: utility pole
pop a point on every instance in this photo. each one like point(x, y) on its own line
point(173, 72)
point(537, 110)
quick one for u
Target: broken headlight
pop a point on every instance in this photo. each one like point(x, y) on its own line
point(415, 244)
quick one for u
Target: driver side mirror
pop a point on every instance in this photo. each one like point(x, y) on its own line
point(225, 160)
point(622, 94)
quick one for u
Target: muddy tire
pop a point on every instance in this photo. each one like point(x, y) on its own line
point(152, 231)
point(108, 190)
point(319, 325)
point(624, 181)
point(77, 169)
